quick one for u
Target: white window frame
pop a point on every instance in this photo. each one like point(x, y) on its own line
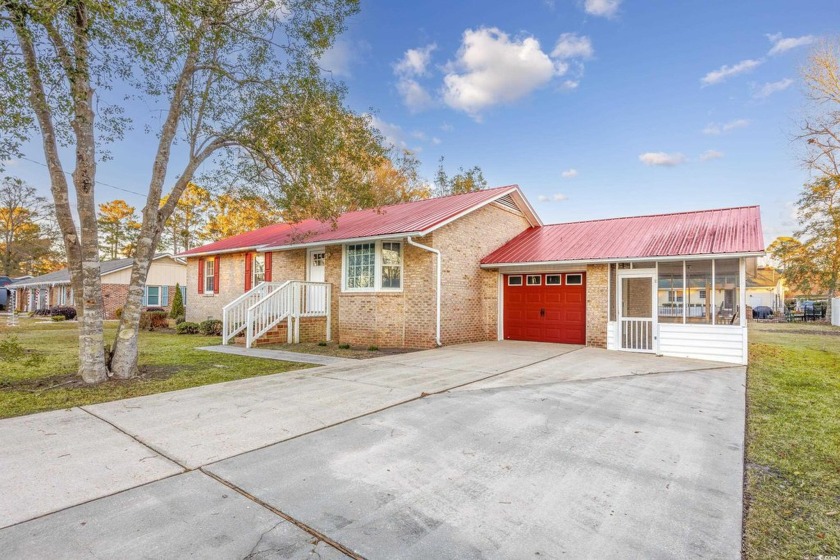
point(578, 274)
point(521, 280)
point(159, 296)
point(537, 276)
point(559, 278)
point(254, 268)
point(377, 267)
point(210, 266)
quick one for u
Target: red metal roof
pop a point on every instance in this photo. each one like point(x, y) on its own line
point(417, 217)
point(708, 232)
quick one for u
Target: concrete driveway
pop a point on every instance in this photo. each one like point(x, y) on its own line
point(490, 450)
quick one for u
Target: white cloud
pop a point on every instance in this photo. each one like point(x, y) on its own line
point(783, 44)
point(446, 127)
point(605, 8)
point(412, 65)
point(709, 155)
point(723, 128)
point(415, 61)
point(414, 95)
point(394, 134)
point(662, 159)
point(572, 45)
point(340, 58)
point(493, 68)
point(725, 72)
point(569, 173)
point(768, 89)
point(436, 140)
point(570, 84)
point(557, 197)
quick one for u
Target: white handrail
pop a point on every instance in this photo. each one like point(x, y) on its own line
point(290, 301)
point(234, 313)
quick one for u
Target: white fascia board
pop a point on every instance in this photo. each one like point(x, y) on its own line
point(322, 243)
point(624, 259)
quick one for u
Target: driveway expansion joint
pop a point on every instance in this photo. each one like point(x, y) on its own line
point(299, 524)
point(138, 440)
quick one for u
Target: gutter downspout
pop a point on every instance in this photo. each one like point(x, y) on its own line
point(410, 241)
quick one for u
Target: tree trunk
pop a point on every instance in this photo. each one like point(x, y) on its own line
point(92, 363)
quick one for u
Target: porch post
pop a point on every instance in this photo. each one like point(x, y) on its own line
point(328, 287)
point(742, 308)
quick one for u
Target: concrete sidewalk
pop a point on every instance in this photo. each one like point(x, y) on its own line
point(485, 450)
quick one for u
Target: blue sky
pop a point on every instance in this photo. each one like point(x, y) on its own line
point(596, 108)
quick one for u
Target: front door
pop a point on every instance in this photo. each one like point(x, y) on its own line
point(637, 320)
point(315, 300)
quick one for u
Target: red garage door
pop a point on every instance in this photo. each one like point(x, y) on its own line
point(545, 307)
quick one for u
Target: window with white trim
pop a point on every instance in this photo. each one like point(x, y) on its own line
point(361, 266)
point(373, 266)
point(258, 269)
point(391, 265)
point(153, 296)
point(209, 276)
point(514, 280)
point(574, 279)
point(552, 279)
point(533, 280)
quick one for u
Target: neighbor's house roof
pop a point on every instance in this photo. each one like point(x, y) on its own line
point(417, 218)
point(63, 276)
point(728, 231)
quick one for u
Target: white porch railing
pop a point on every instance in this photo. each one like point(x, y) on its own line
point(264, 307)
point(233, 314)
point(637, 334)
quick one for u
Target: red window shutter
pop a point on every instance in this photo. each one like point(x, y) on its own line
point(200, 276)
point(216, 274)
point(249, 262)
point(268, 267)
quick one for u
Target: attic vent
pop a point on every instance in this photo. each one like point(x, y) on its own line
point(508, 203)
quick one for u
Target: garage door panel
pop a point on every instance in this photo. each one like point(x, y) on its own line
point(548, 313)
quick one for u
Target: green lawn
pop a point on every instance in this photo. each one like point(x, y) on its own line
point(793, 442)
point(44, 377)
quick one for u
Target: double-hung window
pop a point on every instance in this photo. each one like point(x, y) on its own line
point(153, 296)
point(209, 276)
point(258, 269)
point(373, 266)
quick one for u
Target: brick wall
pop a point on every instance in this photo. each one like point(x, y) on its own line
point(470, 294)
point(596, 305)
point(312, 329)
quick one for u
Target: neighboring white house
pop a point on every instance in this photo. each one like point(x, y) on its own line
point(766, 287)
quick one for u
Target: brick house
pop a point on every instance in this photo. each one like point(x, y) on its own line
point(53, 289)
point(482, 266)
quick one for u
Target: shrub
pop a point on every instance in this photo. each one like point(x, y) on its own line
point(118, 312)
point(177, 304)
point(344, 346)
point(152, 320)
point(58, 318)
point(69, 313)
point(210, 327)
point(187, 328)
point(179, 319)
point(155, 309)
point(373, 348)
point(322, 343)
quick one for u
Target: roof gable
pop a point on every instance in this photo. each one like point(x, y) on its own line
point(708, 232)
point(106, 267)
point(411, 218)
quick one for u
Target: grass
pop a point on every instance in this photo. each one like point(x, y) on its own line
point(792, 489)
point(44, 377)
